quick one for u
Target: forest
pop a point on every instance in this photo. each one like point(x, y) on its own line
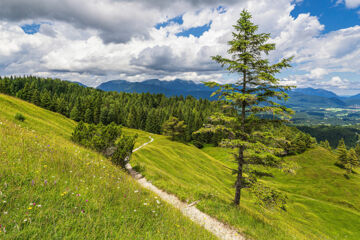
point(143, 111)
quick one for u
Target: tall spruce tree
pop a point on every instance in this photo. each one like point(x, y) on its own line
point(254, 92)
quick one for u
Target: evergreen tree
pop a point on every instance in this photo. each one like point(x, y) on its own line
point(45, 99)
point(253, 93)
point(88, 116)
point(35, 98)
point(352, 161)
point(104, 115)
point(325, 144)
point(357, 150)
point(174, 128)
point(74, 114)
point(342, 153)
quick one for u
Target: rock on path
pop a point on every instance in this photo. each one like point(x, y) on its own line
point(211, 224)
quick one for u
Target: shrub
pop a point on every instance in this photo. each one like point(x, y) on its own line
point(20, 117)
point(198, 144)
point(124, 147)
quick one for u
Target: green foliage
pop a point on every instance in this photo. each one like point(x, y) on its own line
point(20, 117)
point(325, 144)
point(333, 134)
point(352, 161)
point(139, 111)
point(175, 128)
point(269, 197)
point(108, 140)
point(342, 153)
point(124, 147)
point(247, 99)
point(198, 144)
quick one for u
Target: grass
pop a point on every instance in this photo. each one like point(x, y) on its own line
point(51, 188)
point(322, 203)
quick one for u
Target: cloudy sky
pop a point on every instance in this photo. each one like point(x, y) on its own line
point(93, 41)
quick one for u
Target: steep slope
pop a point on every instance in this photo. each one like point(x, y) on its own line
point(53, 189)
point(323, 204)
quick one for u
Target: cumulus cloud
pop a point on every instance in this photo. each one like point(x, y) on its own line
point(352, 3)
point(94, 41)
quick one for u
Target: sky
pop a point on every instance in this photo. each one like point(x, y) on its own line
point(94, 41)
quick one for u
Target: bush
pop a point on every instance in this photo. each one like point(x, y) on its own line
point(198, 144)
point(124, 147)
point(20, 117)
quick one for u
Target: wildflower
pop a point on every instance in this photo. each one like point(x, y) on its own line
point(25, 220)
point(134, 210)
point(39, 206)
point(45, 182)
point(32, 183)
point(29, 208)
point(157, 201)
point(136, 191)
point(82, 211)
point(34, 204)
point(78, 195)
point(145, 204)
point(86, 200)
point(5, 213)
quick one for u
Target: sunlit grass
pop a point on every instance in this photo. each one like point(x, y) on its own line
point(322, 203)
point(51, 188)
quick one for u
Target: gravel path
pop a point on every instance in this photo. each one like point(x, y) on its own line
point(214, 226)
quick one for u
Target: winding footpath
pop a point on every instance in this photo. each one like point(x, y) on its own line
point(211, 224)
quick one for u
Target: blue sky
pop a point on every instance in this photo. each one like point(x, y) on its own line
point(333, 14)
point(136, 41)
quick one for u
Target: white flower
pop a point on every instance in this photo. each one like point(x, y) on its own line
point(158, 202)
point(25, 220)
point(136, 191)
point(5, 213)
point(39, 205)
point(134, 210)
point(145, 204)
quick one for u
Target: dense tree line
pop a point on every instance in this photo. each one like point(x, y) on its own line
point(140, 111)
point(333, 134)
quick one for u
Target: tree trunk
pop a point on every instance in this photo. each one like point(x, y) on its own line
point(238, 185)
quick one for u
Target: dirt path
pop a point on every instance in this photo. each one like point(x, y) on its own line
point(214, 226)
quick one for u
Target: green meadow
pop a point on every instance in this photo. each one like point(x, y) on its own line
point(322, 202)
point(51, 188)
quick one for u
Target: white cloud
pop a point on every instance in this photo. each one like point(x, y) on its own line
point(352, 3)
point(337, 82)
point(93, 41)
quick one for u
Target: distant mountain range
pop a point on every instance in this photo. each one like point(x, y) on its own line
point(168, 88)
point(301, 97)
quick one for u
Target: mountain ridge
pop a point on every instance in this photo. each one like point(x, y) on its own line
point(299, 97)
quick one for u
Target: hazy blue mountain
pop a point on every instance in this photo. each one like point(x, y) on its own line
point(168, 88)
point(305, 98)
point(353, 100)
point(315, 92)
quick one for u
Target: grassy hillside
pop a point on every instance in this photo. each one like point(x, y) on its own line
point(53, 189)
point(323, 204)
